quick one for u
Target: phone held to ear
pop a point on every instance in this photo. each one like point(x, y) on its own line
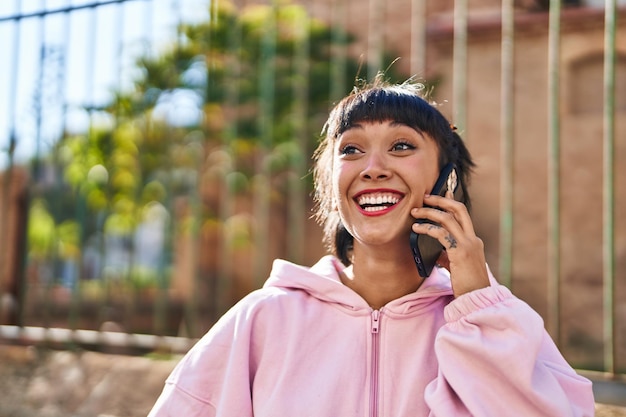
point(426, 250)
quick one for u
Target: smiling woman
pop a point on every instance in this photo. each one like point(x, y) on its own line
point(419, 128)
point(361, 333)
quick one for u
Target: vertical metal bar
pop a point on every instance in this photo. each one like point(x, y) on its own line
point(507, 79)
point(56, 206)
point(118, 39)
point(339, 57)
point(8, 175)
point(48, 300)
point(168, 225)
point(554, 136)
point(375, 38)
point(297, 193)
point(159, 303)
point(13, 85)
point(194, 258)
point(459, 70)
point(266, 132)
point(39, 94)
point(226, 209)
point(196, 203)
point(64, 66)
point(81, 203)
point(418, 38)
point(609, 187)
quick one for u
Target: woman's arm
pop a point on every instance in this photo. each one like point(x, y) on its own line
point(213, 378)
point(496, 359)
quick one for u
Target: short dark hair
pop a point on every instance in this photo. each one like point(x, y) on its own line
point(378, 102)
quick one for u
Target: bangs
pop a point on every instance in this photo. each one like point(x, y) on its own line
point(383, 104)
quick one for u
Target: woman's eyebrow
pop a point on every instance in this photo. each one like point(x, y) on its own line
point(397, 123)
point(349, 128)
point(401, 124)
point(356, 125)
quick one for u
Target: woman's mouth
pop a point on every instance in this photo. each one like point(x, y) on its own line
point(374, 203)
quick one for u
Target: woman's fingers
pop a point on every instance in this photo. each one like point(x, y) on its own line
point(439, 224)
point(442, 234)
point(448, 205)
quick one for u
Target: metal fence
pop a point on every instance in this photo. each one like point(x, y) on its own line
point(156, 154)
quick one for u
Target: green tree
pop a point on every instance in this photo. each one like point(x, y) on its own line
point(233, 103)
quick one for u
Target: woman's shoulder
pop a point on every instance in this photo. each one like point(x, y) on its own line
point(258, 299)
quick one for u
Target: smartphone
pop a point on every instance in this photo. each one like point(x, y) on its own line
point(425, 249)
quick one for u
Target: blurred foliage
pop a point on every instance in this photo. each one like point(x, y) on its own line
point(245, 92)
point(41, 230)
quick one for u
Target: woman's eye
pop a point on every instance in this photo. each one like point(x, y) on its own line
point(402, 146)
point(349, 150)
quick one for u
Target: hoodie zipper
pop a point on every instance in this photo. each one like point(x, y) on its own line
point(375, 363)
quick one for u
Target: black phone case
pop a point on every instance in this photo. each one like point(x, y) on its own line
point(425, 249)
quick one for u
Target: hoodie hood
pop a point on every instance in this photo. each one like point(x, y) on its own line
point(322, 282)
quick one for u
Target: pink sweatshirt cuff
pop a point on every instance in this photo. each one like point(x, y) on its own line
point(476, 300)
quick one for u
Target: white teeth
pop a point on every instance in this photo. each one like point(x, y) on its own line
point(374, 208)
point(377, 200)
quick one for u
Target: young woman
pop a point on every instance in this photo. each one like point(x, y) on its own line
point(361, 333)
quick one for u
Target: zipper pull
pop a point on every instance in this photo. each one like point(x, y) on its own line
point(375, 321)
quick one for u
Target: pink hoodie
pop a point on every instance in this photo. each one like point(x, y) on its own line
point(306, 345)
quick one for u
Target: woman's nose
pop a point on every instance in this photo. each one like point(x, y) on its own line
point(377, 168)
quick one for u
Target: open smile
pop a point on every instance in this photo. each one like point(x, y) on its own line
point(373, 203)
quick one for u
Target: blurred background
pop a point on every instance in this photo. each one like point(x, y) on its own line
point(155, 154)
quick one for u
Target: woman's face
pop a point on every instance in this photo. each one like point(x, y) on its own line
point(382, 170)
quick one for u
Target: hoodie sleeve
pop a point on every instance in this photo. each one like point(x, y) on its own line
point(496, 359)
point(213, 378)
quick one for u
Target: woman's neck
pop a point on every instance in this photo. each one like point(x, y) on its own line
point(381, 276)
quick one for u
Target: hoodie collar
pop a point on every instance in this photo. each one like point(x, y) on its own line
point(322, 282)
